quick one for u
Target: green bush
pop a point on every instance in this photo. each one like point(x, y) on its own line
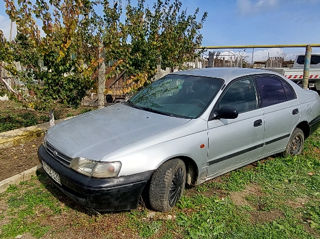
point(14, 121)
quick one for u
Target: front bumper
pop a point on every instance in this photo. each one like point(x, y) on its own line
point(110, 194)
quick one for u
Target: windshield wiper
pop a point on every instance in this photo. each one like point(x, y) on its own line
point(156, 111)
point(130, 103)
point(164, 113)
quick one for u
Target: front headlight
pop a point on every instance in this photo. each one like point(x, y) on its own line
point(96, 169)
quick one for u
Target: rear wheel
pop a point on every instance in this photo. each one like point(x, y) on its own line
point(167, 185)
point(295, 144)
point(109, 99)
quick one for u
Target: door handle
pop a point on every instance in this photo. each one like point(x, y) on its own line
point(257, 123)
point(295, 111)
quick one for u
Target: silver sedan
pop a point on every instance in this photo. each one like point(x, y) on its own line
point(185, 128)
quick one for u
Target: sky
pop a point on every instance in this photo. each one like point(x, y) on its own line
point(249, 22)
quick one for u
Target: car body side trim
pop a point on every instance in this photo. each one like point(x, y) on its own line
point(235, 154)
point(315, 120)
point(314, 124)
point(277, 139)
point(247, 150)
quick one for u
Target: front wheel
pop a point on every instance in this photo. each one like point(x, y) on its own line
point(295, 144)
point(167, 185)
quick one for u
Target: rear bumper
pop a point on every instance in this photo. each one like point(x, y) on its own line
point(111, 194)
point(314, 124)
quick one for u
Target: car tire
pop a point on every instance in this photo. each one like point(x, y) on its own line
point(167, 185)
point(109, 99)
point(295, 144)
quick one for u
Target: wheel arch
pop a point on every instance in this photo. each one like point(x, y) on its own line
point(305, 127)
point(191, 169)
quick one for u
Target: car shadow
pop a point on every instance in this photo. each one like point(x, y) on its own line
point(49, 185)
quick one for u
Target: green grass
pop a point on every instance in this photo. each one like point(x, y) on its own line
point(281, 181)
point(17, 226)
point(24, 203)
point(280, 199)
point(311, 214)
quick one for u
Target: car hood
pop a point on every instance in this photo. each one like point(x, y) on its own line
point(99, 133)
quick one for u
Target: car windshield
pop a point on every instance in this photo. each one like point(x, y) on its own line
point(178, 95)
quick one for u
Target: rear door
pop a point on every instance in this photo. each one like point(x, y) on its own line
point(235, 142)
point(280, 110)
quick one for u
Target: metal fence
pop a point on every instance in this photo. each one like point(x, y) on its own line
point(214, 59)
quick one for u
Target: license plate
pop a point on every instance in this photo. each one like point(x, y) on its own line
point(51, 172)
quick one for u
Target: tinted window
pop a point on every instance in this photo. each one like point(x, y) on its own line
point(289, 91)
point(178, 95)
point(315, 59)
point(271, 90)
point(241, 94)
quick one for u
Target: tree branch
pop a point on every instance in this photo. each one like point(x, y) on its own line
point(9, 88)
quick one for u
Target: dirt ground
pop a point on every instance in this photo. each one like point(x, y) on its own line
point(257, 215)
point(14, 115)
point(19, 158)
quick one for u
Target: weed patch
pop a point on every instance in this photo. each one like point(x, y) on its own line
point(312, 215)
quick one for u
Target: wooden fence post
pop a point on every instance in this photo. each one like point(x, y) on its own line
point(101, 77)
point(307, 59)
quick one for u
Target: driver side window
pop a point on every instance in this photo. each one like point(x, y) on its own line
point(240, 94)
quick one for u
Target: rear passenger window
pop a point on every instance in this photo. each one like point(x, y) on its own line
point(291, 95)
point(271, 90)
point(241, 95)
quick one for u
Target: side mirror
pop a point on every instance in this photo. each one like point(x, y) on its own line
point(225, 113)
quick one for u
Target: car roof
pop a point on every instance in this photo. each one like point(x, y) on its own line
point(226, 73)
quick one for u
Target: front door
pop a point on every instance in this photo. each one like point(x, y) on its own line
point(236, 142)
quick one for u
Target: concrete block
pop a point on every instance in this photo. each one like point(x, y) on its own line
point(16, 179)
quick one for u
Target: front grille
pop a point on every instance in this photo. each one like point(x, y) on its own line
point(60, 157)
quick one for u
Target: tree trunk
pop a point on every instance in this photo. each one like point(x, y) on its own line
point(101, 77)
point(307, 59)
point(51, 116)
